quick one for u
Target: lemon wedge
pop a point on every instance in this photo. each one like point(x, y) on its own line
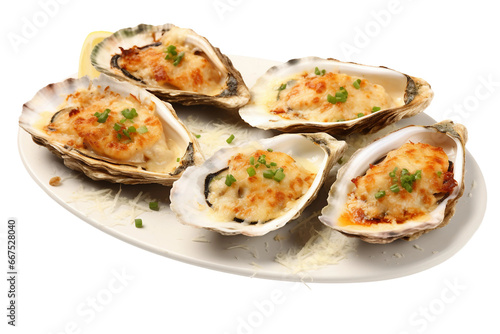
point(92, 39)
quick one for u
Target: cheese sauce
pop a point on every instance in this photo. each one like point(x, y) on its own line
point(252, 197)
point(306, 96)
point(185, 69)
point(385, 195)
point(138, 138)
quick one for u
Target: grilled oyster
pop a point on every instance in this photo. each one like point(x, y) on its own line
point(176, 64)
point(413, 190)
point(258, 187)
point(111, 131)
point(315, 94)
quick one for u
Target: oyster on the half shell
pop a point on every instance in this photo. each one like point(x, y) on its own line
point(400, 186)
point(111, 131)
point(176, 64)
point(257, 187)
point(314, 94)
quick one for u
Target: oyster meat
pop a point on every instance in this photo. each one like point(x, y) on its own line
point(176, 64)
point(258, 187)
point(111, 131)
point(400, 186)
point(315, 94)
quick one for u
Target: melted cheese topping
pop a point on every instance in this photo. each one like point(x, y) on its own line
point(257, 198)
point(77, 126)
point(306, 97)
point(194, 72)
point(436, 182)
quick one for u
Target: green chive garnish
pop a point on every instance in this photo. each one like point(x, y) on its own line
point(356, 83)
point(230, 179)
point(360, 115)
point(102, 117)
point(394, 188)
point(251, 171)
point(138, 223)
point(439, 173)
point(318, 72)
point(129, 113)
point(380, 194)
point(154, 206)
point(279, 175)
point(268, 174)
point(230, 139)
point(252, 160)
point(375, 109)
point(269, 150)
point(262, 159)
point(393, 173)
point(178, 58)
point(280, 88)
point(340, 96)
point(117, 127)
point(142, 129)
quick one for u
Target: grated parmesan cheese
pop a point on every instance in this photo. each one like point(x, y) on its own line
point(212, 135)
point(117, 209)
point(323, 246)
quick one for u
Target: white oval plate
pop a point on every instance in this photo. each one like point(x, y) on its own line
point(164, 235)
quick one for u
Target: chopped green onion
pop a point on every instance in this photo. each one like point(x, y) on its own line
point(269, 150)
point(269, 174)
point(178, 159)
point(142, 129)
point(252, 160)
point(439, 173)
point(393, 173)
point(360, 115)
point(230, 179)
point(407, 186)
point(129, 113)
point(380, 194)
point(375, 109)
point(280, 88)
point(138, 223)
point(418, 174)
point(123, 120)
point(318, 72)
point(273, 164)
point(356, 83)
point(230, 139)
point(340, 96)
point(178, 58)
point(171, 50)
point(131, 129)
point(102, 117)
point(394, 188)
point(251, 171)
point(154, 206)
point(257, 165)
point(197, 136)
point(117, 127)
point(262, 159)
point(279, 175)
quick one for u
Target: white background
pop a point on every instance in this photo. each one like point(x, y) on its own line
point(64, 263)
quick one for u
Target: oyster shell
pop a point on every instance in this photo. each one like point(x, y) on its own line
point(404, 96)
point(44, 116)
point(446, 135)
point(211, 79)
point(190, 194)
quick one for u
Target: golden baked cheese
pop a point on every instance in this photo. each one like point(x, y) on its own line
point(112, 126)
point(171, 63)
point(407, 184)
point(257, 187)
point(327, 97)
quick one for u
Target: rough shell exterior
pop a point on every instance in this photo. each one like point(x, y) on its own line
point(415, 92)
point(452, 137)
point(52, 96)
point(234, 95)
point(188, 199)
